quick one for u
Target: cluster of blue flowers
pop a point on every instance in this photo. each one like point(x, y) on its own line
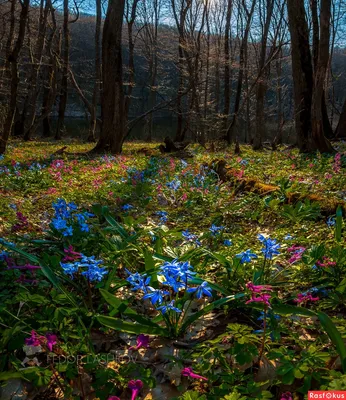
point(271, 247)
point(176, 275)
point(35, 166)
point(215, 230)
point(331, 222)
point(163, 216)
point(174, 184)
point(190, 237)
point(65, 216)
point(246, 256)
point(91, 268)
point(127, 207)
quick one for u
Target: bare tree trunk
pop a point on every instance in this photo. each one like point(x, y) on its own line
point(113, 103)
point(35, 70)
point(93, 115)
point(243, 49)
point(302, 73)
point(340, 131)
point(131, 65)
point(13, 60)
point(261, 88)
point(65, 73)
point(318, 131)
point(227, 94)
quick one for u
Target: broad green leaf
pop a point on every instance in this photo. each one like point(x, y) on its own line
point(338, 224)
point(208, 308)
point(334, 336)
point(123, 326)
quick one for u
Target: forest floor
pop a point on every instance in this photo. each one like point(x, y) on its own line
point(241, 260)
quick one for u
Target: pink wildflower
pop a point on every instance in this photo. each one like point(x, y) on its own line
point(286, 396)
point(33, 340)
point(51, 340)
point(189, 372)
point(258, 288)
point(301, 298)
point(136, 387)
point(142, 341)
point(261, 298)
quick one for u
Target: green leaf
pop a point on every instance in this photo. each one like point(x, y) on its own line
point(47, 272)
point(208, 308)
point(118, 228)
point(5, 376)
point(286, 309)
point(334, 336)
point(338, 224)
point(129, 327)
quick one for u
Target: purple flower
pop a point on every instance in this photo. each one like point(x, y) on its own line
point(51, 340)
point(189, 372)
point(113, 398)
point(136, 387)
point(33, 340)
point(286, 396)
point(142, 341)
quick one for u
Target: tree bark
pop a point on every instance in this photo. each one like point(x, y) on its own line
point(113, 103)
point(65, 73)
point(93, 115)
point(13, 61)
point(302, 73)
point(318, 131)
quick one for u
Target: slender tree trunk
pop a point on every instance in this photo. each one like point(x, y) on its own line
point(35, 70)
point(318, 131)
point(227, 94)
point(302, 73)
point(261, 88)
point(340, 131)
point(113, 102)
point(243, 49)
point(93, 116)
point(13, 61)
point(65, 73)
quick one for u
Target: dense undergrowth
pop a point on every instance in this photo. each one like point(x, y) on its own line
point(144, 276)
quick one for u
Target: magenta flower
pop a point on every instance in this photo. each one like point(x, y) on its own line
point(142, 341)
point(261, 298)
point(113, 398)
point(258, 288)
point(71, 255)
point(189, 372)
point(286, 396)
point(51, 340)
point(301, 298)
point(136, 387)
point(33, 340)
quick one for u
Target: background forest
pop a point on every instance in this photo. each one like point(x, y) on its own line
point(191, 69)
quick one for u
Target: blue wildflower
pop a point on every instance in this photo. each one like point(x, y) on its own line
point(331, 222)
point(270, 248)
point(95, 273)
point(138, 281)
point(69, 268)
point(203, 289)
point(169, 306)
point(246, 256)
point(173, 283)
point(227, 242)
point(13, 206)
point(155, 295)
point(288, 237)
point(215, 230)
point(163, 216)
point(68, 231)
point(127, 207)
point(174, 184)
